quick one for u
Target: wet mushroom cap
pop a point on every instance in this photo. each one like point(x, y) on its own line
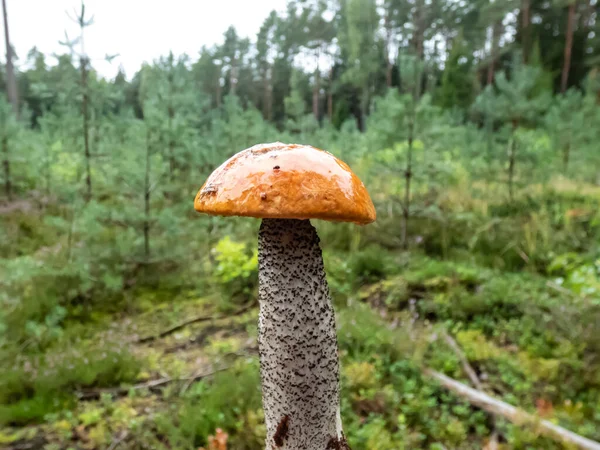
point(286, 181)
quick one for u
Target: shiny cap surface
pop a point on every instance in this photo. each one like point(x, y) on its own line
point(286, 181)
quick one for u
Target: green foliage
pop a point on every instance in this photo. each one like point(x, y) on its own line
point(516, 283)
point(236, 270)
point(227, 401)
point(578, 275)
point(34, 386)
point(369, 336)
point(517, 99)
point(369, 265)
point(456, 89)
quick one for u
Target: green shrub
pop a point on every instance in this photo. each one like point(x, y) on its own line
point(236, 270)
point(228, 401)
point(31, 387)
point(370, 264)
point(362, 333)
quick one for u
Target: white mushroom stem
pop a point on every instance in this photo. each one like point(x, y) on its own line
point(297, 340)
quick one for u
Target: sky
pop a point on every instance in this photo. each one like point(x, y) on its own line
point(138, 30)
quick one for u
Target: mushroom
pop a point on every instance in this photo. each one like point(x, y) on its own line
point(286, 185)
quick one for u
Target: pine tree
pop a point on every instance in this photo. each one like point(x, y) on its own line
point(360, 48)
point(456, 89)
point(519, 103)
point(564, 120)
point(8, 131)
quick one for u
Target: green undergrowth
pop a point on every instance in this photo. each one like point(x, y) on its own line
point(35, 385)
point(532, 343)
point(517, 286)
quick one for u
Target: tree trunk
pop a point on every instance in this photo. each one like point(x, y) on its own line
point(270, 95)
point(496, 33)
point(86, 128)
point(233, 77)
point(419, 49)
point(525, 29)
point(407, 180)
point(147, 200)
point(11, 82)
point(566, 156)
point(512, 150)
point(330, 96)
point(419, 30)
point(315, 96)
point(489, 131)
point(265, 86)
point(171, 112)
point(48, 169)
point(218, 88)
point(388, 40)
point(568, 47)
point(267, 95)
point(364, 102)
point(6, 165)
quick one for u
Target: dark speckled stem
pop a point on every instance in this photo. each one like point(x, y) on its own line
point(297, 340)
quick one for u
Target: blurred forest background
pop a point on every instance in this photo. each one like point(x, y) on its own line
point(129, 321)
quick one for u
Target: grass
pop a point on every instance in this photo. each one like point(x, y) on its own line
point(513, 284)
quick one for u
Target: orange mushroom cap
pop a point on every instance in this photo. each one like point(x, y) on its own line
point(286, 181)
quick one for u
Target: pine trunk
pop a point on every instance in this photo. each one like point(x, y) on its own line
point(525, 30)
point(388, 40)
point(86, 128)
point(419, 48)
point(512, 154)
point(146, 224)
point(568, 47)
point(419, 30)
point(407, 182)
point(233, 77)
point(330, 96)
point(171, 113)
point(315, 96)
point(11, 82)
point(496, 32)
point(6, 165)
point(566, 156)
point(267, 96)
point(218, 88)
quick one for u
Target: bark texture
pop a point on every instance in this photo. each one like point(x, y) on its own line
point(11, 81)
point(297, 340)
point(568, 47)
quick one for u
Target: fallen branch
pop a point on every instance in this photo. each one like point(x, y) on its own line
point(31, 444)
point(152, 384)
point(468, 369)
point(181, 325)
point(515, 415)
point(464, 361)
point(120, 438)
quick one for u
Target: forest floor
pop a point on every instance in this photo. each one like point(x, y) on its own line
point(180, 366)
point(165, 368)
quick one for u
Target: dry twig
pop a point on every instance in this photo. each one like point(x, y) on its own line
point(152, 384)
point(184, 324)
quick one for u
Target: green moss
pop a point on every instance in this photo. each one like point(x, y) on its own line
point(32, 387)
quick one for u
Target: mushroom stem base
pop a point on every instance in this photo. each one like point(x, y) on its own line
point(297, 340)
